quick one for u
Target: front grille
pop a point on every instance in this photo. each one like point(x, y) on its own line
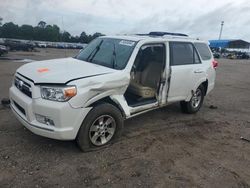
point(20, 108)
point(23, 86)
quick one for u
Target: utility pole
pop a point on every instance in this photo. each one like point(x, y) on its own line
point(221, 28)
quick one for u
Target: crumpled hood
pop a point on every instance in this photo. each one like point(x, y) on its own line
point(61, 71)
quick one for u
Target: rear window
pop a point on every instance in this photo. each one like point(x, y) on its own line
point(203, 51)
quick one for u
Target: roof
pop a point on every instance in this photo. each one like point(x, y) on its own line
point(148, 37)
point(229, 43)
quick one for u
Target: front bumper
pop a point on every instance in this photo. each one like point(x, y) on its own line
point(67, 120)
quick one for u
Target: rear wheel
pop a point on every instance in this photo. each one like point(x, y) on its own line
point(195, 102)
point(102, 126)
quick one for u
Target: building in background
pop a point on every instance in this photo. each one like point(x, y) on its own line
point(230, 44)
point(232, 49)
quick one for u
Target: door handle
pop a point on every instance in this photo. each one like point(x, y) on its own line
point(198, 71)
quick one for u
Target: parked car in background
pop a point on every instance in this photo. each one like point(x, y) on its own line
point(216, 55)
point(242, 55)
point(88, 97)
point(60, 45)
point(231, 56)
point(13, 45)
point(3, 50)
point(41, 45)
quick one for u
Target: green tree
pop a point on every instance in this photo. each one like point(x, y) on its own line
point(56, 33)
point(42, 24)
point(95, 35)
point(42, 32)
point(10, 30)
point(52, 33)
point(26, 32)
point(39, 33)
point(66, 37)
point(83, 37)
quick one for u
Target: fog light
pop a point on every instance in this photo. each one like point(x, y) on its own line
point(44, 120)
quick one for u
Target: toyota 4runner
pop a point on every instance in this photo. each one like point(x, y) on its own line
point(114, 78)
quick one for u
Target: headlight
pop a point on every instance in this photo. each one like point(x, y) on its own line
point(60, 94)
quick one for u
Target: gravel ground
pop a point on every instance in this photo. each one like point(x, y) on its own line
point(162, 148)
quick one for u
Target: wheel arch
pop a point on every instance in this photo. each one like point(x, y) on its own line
point(203, 82)
point(205, 85)
point(108, 100)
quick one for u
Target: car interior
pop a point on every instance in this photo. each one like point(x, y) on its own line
point(146, 75)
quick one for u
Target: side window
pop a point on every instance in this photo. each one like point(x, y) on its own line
point(183, 53)
point(203, 50)
point(151, 53)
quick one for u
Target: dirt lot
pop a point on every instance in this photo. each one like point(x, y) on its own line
point(163, 148)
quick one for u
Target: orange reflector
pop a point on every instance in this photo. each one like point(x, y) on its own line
point(70, 92)
point(41, 70)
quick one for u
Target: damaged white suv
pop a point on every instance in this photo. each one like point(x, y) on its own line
point(114, 78)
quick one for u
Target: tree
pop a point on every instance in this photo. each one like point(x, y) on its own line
point(95, 35)
point(10, 30)
point(56, 32)
point(42, 24)
point(42, 32)
point(66, 36)
point(26, 32)
point(52, 33)
point(84, 38)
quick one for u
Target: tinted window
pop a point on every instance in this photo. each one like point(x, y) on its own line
point(203, 51)
point(183, 54)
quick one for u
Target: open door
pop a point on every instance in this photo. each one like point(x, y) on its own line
point(146, 76)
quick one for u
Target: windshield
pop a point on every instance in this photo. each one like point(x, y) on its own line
point(108, 52)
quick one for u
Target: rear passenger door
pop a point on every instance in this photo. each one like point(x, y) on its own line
point(186, 70)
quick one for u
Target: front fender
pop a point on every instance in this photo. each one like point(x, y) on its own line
point(92, 90)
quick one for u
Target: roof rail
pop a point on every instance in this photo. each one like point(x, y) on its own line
point(159, 33)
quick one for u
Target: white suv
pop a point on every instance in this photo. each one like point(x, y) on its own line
point(114, 78)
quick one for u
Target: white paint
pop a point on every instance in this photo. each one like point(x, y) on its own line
point(98, 82)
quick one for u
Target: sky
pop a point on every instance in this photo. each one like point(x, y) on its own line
point(197, 18)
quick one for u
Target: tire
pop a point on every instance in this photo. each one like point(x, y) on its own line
point(194, 104)
point(101, 127)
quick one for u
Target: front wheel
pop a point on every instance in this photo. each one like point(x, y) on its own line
point(195, 102)
point(102, 125)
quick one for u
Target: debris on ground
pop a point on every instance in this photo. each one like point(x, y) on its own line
point(213, 107)
point(5, 102)
point(245, 139)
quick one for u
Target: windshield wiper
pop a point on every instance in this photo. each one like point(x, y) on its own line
point(94, 52)
point(114, 57)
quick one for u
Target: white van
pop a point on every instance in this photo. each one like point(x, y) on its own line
point(114, 78)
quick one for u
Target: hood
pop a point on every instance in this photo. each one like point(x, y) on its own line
point(61, 71)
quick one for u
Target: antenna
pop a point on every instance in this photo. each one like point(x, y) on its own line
point(221, 28)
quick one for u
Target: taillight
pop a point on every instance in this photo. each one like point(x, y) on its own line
point(215, 64)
